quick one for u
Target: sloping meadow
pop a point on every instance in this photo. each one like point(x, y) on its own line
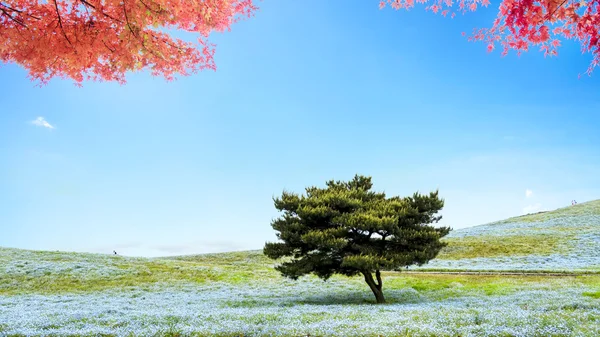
point(335, 308)
point(565, 240)
point(233, 294)
point(67, 294)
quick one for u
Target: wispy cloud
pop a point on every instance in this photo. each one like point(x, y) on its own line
point(41, 121)
point(528, 193)
point(137, 248)
point(198, 247)
point(532, 208)
point(117, 246)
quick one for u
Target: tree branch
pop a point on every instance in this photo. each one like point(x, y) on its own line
point(127, 22)
point(141, 39)
point(557, 7)
point(166, 41)
point(60, 23)
point(19, 22)
point(19, 11)
point(112, 50)
point(150, 9)
point(99, 11)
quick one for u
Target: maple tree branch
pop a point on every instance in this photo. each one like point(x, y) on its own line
point(101, 12)
point(12, 9)
point(150, 50)
point(166, 41)
point(139, 37)
point(18, 11)
point(127, 21)
point(557, 7)
point(60, 23)
point(109, 48)
point(13, 19)
point(150, 9)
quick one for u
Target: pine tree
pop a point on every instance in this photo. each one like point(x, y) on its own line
point(346, 228)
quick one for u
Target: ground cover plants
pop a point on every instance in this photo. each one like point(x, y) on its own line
point(419, 305)
point(240, 293)
point(563, 240)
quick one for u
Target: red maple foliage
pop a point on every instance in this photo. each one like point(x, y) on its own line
point(104, 39)
point(523, 23)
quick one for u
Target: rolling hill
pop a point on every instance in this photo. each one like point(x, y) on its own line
point(567, 239)
point(46, 293)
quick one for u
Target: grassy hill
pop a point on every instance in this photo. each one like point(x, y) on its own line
point(567, 239)
point(72, 294)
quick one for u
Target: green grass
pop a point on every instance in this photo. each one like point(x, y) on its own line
point(237, 268)
point(441, 286)
point(233, 268)
point(24, 272)
point(543, 234)
point(594, 294)
point(253, 266)
point(251, 269)
point(493, 246)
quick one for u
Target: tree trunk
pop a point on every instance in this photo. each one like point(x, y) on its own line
point(375, 287)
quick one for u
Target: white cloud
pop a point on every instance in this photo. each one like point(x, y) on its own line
point(528, 193)
point(41, 121)
point(198, 247)
point(532, 208)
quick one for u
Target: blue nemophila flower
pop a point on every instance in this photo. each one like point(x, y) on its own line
point(333, 308)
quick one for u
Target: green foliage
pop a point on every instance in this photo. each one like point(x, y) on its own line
point(346, 228)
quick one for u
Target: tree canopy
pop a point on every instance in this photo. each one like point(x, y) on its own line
point(524, 23)
point(104, 39)
point(346, 228)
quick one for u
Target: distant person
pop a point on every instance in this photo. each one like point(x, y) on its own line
point(114, 251)
point(572, 202)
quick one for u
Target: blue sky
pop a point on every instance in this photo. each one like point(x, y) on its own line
point(304, 92)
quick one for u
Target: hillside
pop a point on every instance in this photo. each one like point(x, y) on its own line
point(46, 293)
point(567, 239)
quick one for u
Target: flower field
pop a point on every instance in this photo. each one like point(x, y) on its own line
point(233, 294)
point(338, 308)
point(567, 239)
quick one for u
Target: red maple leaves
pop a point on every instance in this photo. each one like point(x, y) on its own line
point(523, 23)
point(104, 39)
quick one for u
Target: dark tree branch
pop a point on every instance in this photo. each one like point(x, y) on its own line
point(19, 11)
point(19, 22)
point(109, 48)
point(160, 11)
point(127, 22)
point(99, 11)
point(166, 41)
point(60, 23)
point(557, 7)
